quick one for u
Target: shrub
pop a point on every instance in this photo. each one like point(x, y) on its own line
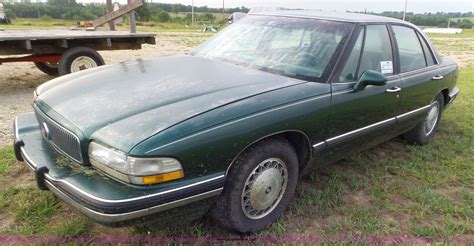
point(46, 18)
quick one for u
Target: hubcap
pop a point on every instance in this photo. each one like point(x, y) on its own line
point(431, 119)
point(264, 188)
point(82, 63)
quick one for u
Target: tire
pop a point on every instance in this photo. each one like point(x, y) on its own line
point(424, 131)
point(79, 58)
point(261, 167)
point(48, 68)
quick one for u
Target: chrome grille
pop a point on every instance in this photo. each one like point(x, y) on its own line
point(62, 139)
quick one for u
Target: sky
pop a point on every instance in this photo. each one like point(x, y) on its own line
point(417, 6)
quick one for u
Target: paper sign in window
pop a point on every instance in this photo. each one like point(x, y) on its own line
point(386, 67)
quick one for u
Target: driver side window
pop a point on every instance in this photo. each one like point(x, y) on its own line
point(372, 51)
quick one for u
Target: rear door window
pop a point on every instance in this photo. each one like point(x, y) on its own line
point(428, 55)
point(410, 50)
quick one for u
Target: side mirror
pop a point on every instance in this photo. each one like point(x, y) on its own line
point(370, 77)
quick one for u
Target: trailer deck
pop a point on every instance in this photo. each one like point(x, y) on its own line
point(15, 42)
point(59, 49)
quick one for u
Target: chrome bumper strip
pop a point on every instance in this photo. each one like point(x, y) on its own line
point(112, 218)
point(452, 95)
point(73, 187)
point(115, 218)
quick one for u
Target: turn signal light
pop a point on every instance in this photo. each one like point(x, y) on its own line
point(162, 177)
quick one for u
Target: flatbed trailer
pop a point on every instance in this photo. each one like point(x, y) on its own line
point(63, 51)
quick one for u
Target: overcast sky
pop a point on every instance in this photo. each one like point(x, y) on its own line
point(418, 6)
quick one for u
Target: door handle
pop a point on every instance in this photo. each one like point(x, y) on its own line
point(393, 89)
point(438, 77)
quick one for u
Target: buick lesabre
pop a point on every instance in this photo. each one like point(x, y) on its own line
point(229, 128)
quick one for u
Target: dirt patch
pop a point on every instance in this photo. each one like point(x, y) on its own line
point(461, 50)
point(7, 222)
point(358, 199)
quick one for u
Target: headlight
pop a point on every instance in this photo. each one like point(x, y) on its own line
point(134, 170)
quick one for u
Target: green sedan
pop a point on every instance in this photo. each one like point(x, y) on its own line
point(228, 129)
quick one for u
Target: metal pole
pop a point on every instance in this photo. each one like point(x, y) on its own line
point(223, 13)
point(192, 12)
point(405, 11)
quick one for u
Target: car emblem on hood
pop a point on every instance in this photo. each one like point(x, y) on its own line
point(45, 131)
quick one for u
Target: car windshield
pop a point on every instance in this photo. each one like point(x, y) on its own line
point(293, 47)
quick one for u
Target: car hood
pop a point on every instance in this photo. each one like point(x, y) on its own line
point(125, 103)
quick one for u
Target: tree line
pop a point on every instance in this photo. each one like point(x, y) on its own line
point(163, 12)
point(71, 10)
point(439, 19)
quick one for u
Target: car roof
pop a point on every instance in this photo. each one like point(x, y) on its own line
point(328, 15)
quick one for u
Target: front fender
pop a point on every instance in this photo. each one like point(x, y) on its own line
point(208, 143)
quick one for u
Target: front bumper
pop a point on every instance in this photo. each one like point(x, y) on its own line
point(99, 197)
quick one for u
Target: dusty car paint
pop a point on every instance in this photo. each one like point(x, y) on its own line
point(205, 112)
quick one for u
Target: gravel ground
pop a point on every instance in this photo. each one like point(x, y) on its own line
point(18, 80)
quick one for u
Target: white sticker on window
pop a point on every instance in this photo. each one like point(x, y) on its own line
point(386, 67)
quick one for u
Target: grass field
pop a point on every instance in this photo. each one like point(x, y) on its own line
point(463, 18)
point(394, 189)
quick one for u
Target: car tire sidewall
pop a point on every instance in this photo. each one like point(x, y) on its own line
point(241, 170)
point(70, 55)
point(417, 135)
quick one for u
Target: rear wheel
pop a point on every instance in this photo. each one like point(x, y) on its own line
point(79, 58)
point(48, 68)
point(259, 187)
point(425, 130)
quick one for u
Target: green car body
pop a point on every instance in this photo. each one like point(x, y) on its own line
point(204, 113)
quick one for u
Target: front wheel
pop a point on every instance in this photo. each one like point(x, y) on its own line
point(425, 130)
point(259, 187)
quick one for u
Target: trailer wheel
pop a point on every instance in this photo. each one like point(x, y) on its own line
point(48, 68)
point(79, 58)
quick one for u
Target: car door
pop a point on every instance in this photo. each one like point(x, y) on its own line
point(360, 119)
point(420, 74)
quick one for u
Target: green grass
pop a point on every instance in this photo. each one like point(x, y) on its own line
point(7, 158)
point(463, 18)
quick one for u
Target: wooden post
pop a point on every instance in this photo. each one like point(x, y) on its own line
point(133, 28)
point(110, 9)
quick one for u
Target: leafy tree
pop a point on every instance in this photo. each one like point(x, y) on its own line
point(465, 24)
point(10, 14)
point(163, 16)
